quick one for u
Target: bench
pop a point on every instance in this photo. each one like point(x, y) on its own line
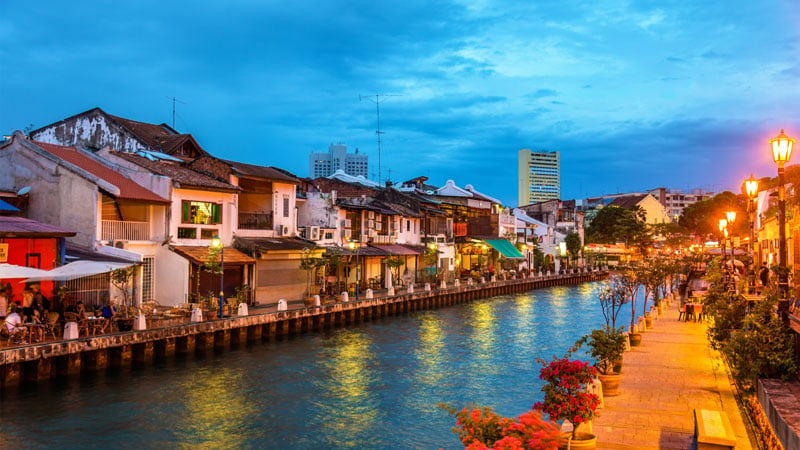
point(713, 430)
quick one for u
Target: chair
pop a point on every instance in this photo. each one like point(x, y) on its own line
point(682, 313)
point(689, 312)
point(52, 321)
point(12, 335)
point(698, 312)
point(82, 323)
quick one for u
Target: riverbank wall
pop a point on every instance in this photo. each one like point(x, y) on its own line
point(38, 363)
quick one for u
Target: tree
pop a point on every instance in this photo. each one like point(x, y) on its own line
point(614, 224)
point(702, 218)
point(574, 245)
point(122, 279)
point(394, 263)
point(310, 264)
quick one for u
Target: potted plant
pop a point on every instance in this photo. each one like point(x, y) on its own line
point(482, 428)
point(606, 346)
point(565, 398)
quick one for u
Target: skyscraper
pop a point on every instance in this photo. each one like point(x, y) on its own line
point(324, 164)
point(539, 176)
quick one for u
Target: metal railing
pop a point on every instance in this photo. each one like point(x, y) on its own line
point(255, 220)
point(127, 230)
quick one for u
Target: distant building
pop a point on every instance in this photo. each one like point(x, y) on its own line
point(539, 176)
point(675, 200)
point(325, 164)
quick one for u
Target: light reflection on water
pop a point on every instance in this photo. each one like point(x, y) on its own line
point(375, 385)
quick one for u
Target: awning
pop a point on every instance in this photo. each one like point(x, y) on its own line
point(199, 255)
point(397, 250)
point(505, 248)
point(79, 269)
point(14, 271)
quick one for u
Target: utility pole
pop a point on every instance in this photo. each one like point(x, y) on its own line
point(378, 100)
point(174, 100)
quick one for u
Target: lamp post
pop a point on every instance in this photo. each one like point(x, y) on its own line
point(723, 230)
point(216, 243)
point(751, 189)
point(354, 247)
point(731, 216)
point(781, 154)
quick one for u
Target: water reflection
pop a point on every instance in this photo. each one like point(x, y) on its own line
point(349, 411)
point(429, 350)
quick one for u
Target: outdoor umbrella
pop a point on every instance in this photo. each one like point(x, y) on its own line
point(79, 269)
point(12, 271)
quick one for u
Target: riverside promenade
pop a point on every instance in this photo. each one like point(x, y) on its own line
point(674, 371)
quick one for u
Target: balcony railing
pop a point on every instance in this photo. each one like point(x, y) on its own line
point(384, 239)
point(255, 220)
point(125, 230)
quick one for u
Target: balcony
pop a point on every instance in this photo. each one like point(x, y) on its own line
point(124, 230)
point(384, 239)
point(255, 220)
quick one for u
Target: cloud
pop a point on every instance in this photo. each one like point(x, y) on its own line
point(542, 93)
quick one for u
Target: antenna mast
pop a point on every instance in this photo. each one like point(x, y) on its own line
point(173, 108)
point(378, 132)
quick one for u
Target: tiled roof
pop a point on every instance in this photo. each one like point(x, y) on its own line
point(270, 173)
point(199, 254)
point(14, 226)
point(149, 133)
point(267, 244)
point(182, 175)
point(628, 201)
point(128, 189)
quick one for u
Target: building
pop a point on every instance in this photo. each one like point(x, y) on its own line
point(674, 200)
point(325, 164)
point(539, 176)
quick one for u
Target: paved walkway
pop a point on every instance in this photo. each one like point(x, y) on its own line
point(671, 373)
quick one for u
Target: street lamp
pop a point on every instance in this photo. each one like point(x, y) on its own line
point(731, 215)
point(563, 247)
point(751, 189)
point(216, 243)
point(723, 230)
point(354, 247)
point(781, 154)
point(525, 248)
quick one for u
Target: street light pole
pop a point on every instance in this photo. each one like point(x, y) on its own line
point(216, 242)
point(751, 189)
point(353, 246)
point(723, 230)
point(731, 215)
point(781, 154)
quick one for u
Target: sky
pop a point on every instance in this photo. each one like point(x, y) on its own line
point(635, 95)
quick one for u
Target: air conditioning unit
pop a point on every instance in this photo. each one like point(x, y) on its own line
point(283, 230)
point(378, 226)
point(315, 233)
point(370, 224)
point(348, 223)
point(372, 233)
point(121, 244)
point(371, 215)
point(364, 238)
point(347, 234)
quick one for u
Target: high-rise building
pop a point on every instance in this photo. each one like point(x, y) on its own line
point(325, 164)
point(539, 176)
point(675, 200)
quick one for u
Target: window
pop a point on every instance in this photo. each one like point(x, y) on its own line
point(208, 233)
point(285, 206)
point(408, 225)
point(187, 233)
point(148, 278)
point(203, 213)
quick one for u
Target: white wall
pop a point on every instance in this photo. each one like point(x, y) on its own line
point(172, 276)
point(229, 213)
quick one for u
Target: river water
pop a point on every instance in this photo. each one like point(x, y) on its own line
point(370, 386)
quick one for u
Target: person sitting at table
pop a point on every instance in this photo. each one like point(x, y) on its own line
point(3, 301)
point(80, 310)
point(13, 324)
point(40, 302)
point(27, 304)
point(108, 310)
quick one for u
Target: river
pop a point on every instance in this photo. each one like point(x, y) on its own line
point(375, 385)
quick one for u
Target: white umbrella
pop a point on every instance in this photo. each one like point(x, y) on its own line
point(80, 269)
point(12, 271)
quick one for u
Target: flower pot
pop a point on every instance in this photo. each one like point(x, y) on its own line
point(610, 384)
point(581, 441)
point(636, 339)
point(648, 321)
point(125, 324)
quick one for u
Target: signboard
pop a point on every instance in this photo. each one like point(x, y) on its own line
point(3, 253)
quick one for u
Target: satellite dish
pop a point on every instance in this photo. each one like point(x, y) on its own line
point(24, 190)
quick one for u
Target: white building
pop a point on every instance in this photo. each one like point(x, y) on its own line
point(325, 164)
point(675, 200)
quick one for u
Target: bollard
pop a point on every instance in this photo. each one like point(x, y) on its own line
point(197, 315)
point(282, 304)
point(627, 341)
point(411, 288)
point(243, 311)
point(390, 292)
point(482, 280)
point(457, 283)
point(443, 285)
point(317, 301)
point(368, 294)
point(139, 322)
point(470, 282)
point(345, 296)
point(494, 278)
point(427, 287)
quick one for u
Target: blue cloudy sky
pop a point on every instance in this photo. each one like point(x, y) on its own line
point(634, 94)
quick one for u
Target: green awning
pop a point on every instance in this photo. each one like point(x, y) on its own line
point(505, 248)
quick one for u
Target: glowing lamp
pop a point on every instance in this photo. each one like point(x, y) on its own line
point(781, 148)
point(751, 187)
point(731, 215)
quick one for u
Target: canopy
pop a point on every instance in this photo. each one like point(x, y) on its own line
point(79, 269)
point(505, 248)
point(12, 271)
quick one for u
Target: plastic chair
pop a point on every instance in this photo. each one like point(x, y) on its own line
point(698, 312)
point(52, 321)
point(682, 313)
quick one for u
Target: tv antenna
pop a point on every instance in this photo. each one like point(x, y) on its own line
point(379, 98)
point(174, 100)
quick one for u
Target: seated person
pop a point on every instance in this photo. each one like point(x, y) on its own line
point(13, 324)
point(80, 310)
point(108, 311)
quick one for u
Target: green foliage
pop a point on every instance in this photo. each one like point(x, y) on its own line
point(122, 279)
point(727, 312)
point(614, 224)
point(213, 262)
point(606, 346)
point(764, 348)
point(612, 295)
point(702, 218)
point(310, 264)
point(574, 244)
point(394, 263)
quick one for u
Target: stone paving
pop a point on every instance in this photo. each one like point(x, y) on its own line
point(673, 372)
